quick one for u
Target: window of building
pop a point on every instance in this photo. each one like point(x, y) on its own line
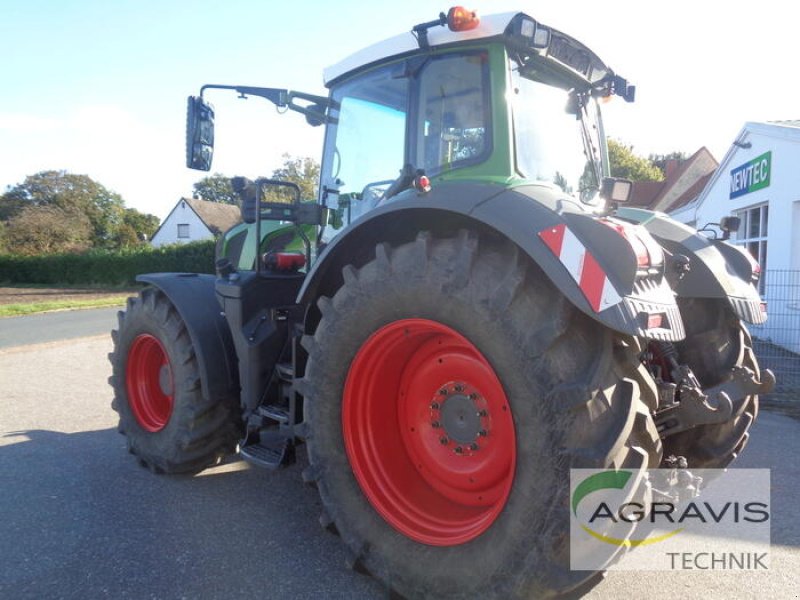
point(753, 235)
point(183, 230)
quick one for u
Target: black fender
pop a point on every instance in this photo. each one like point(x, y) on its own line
point(194, 297)
point(527, 215)
point(717, 269)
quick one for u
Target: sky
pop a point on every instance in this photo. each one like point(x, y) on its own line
point(98, 87)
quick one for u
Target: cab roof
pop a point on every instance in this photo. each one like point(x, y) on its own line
point(560, 49)
point(489, 26)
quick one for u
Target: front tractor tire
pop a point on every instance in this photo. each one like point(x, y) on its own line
point(450, 389)
point(168, 423)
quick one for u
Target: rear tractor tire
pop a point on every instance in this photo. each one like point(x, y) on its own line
point(168, 423)
point(449, 391)
point(716, 341)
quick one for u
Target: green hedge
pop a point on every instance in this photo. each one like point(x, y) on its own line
point(106, 267)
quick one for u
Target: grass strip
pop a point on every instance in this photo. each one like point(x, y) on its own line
point(15, 310)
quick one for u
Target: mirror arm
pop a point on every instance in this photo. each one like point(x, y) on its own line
point(316, 109)
point(277, 96)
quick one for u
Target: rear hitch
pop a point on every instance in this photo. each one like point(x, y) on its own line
point(694, 407)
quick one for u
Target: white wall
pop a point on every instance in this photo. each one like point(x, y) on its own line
point(783, 198)
point(795, 240)
point(686, 214)
point(181, 214)
point(782, 193)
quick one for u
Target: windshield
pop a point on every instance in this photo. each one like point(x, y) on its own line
point(364, 148)
point(557, 136)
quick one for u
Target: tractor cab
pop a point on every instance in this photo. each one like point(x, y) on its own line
point(503, 100)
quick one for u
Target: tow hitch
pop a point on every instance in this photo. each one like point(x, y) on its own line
point(696, 406)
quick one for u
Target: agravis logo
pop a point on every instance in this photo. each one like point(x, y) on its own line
point(722, 517)
point(613, 480)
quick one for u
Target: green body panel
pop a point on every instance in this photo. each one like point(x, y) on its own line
point(275, 235)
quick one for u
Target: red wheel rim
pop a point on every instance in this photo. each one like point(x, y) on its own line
point(428, 431)
point(148, 378)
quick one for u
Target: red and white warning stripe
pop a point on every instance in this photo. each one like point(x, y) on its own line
point(583, 267)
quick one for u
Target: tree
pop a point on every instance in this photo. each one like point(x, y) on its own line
point(660, 160)
point(142, 225)
point(76, 199)
point(135, 230)
point(302, 171)
point(625, 164)
point(46, 230)
point(216, 188)
point(73, 194)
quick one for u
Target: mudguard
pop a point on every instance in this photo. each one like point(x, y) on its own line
point(590, 263)
point(717, 269)
point(194, 297)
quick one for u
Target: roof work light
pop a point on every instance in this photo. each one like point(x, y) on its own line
point(529, 33)
point(457, 18)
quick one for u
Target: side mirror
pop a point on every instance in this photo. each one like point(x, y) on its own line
point(730, 224)
point(616, 190)
point(199, 134)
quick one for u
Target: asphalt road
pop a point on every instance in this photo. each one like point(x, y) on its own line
point(81, 519)
point(53, 326)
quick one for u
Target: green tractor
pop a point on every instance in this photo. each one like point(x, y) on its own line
point(465, 313)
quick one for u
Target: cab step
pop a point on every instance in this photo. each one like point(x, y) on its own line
point(274, 413)
point(285, 372)
point(272, 451)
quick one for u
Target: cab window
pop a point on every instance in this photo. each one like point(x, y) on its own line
point(454, 112)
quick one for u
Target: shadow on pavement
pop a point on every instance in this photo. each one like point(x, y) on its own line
point(82, 519)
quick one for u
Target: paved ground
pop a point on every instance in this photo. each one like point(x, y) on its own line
point(80, 519)
point(54, 326)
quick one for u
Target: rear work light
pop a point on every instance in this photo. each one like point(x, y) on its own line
point(461, 19)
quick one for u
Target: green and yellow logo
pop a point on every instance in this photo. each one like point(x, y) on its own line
point(627, 513)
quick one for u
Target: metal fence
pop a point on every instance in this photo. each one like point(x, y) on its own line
point(777, 342)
